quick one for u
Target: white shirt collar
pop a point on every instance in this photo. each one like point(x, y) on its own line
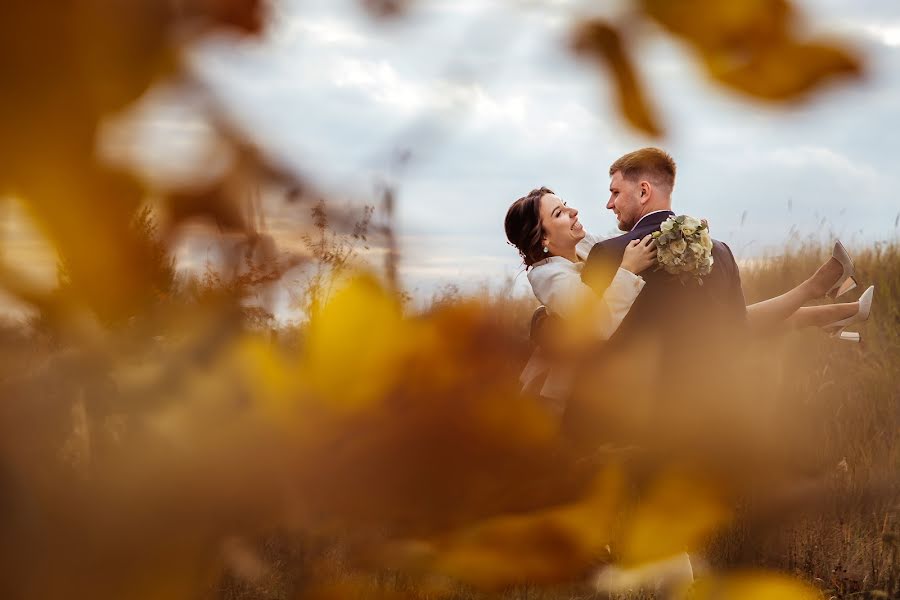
point(647, 215)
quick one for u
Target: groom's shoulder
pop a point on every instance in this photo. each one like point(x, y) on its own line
point(613, 248)
point(619, 241)
point(605, 251)
point(724, 258)
point(722, 248)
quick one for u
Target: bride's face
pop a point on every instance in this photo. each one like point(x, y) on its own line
point(562, 229)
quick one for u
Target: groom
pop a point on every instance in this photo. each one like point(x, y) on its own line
point(641, 184)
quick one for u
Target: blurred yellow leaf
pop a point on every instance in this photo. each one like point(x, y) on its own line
point(272, 378)
point(782, 72)
point(677, 514)
point(602, 43)
point(545, 546)
point(752, 586)
point(713, 24)
point(355, 344)
point(750, 45)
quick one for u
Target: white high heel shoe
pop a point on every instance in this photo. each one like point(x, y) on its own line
point(836, 329)
point(847, 280)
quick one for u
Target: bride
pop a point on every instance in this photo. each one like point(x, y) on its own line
point(553, 245)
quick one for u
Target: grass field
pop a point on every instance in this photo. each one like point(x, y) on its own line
point(81, 423)
point(849, 397)
point(845, 399)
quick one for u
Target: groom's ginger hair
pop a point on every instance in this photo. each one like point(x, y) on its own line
point(652, 164)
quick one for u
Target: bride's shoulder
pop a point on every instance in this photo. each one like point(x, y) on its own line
point(540, 269)
point(592, 239)
point(550, 276)
point(551, 269)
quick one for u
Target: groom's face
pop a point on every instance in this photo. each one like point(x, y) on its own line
point(624, 201)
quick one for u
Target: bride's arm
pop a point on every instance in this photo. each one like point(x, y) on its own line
point(565, 295)
point(560, 289)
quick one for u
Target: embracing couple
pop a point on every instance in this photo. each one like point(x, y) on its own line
point(619, 291)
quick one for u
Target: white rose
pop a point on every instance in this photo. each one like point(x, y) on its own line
point(697, 249)
point(690, 226)
point(667, 225)
point(705, 240)
point(678, 246)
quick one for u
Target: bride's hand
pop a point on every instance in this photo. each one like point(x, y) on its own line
point(639, 255)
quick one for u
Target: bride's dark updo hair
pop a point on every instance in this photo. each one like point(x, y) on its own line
point(523, 226)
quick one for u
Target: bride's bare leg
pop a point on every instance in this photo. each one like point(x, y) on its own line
point(769, 314)
point(819, 316)
point(772, 313)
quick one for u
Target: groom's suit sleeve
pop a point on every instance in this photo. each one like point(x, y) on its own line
point(601, 265)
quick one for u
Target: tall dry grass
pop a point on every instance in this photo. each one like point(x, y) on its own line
point(828, 515)
point(848, 398)
point(843, 401)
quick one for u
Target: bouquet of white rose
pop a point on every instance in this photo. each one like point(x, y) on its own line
point(684, 248)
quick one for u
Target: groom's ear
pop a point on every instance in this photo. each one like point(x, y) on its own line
point(645, 191)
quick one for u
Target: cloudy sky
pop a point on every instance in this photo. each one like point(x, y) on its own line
point(490, 103)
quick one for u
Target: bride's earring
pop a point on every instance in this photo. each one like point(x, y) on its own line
point(546, 249)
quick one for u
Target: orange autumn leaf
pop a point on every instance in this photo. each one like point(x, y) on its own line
point(783, 72)
point(677, 514)
point(752, 586)
point(603, 44)
point(752, 47)
point(551, 545)
point(355, 345)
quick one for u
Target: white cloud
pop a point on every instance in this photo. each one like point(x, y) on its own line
point(324, 31)
point(381, 82)
point(889, 35)
point(826, 159)
point(880, 32)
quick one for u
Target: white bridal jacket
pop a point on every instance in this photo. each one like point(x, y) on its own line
point(556, 282)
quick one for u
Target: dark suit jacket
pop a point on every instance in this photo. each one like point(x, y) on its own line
point(667, 309)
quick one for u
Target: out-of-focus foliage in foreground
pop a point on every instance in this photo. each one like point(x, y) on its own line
point(754, 47)
point(148, 443)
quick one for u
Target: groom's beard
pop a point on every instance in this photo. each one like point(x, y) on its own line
point(626, 227)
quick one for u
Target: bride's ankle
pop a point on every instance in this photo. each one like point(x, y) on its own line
point(824, 278)
point(850, 309)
